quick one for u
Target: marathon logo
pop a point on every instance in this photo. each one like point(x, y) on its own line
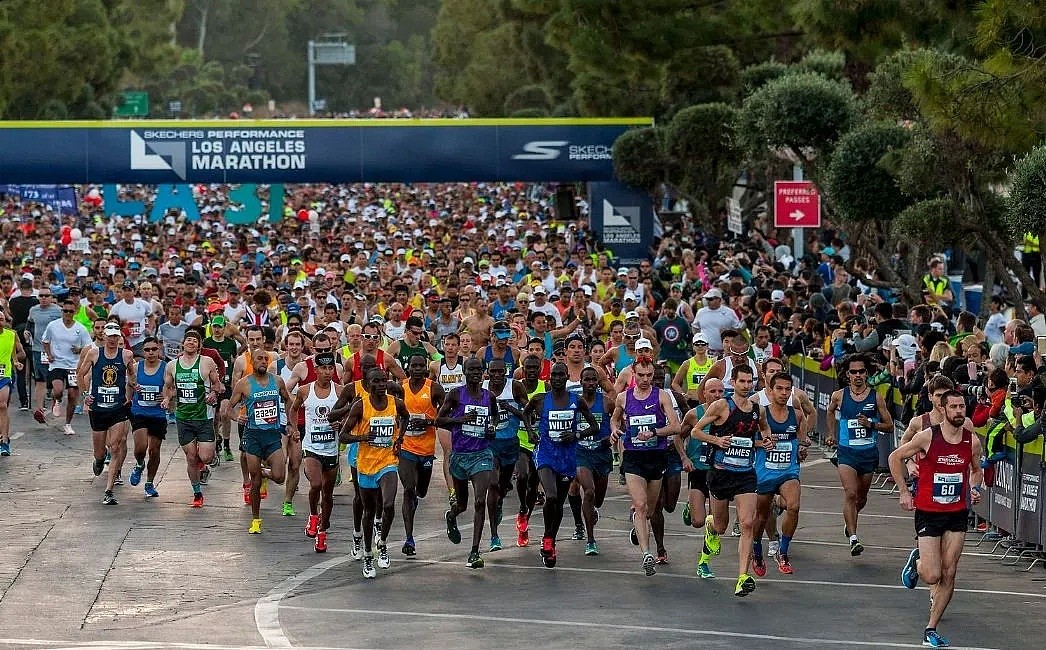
point(185, 150)
point(553, 149)
point(953, 459)
point(621, 224)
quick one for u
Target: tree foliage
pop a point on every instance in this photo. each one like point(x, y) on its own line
point(703, 153)
point(640, 158)
point(1026, 204)
point(857, 184)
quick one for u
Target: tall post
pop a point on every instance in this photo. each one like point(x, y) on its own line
point(312, 77)
point(798, 236)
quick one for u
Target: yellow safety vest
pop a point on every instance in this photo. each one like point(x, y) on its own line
point(934, 287)
point(1031, 243)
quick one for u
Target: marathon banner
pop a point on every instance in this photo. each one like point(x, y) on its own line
point(246, 203)
point(61, 198)
point(623, 219)
point(310, 151)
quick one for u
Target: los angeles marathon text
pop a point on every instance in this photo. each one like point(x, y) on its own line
point(250, 149)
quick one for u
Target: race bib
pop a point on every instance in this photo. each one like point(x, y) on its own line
point(3, 369)
point(415, 426)
point(134, 330)
point(44, 359)
point(947, 488)
point(641, 424)
point(477, 429)
point(188, 392)
point(266, 412)
point(859, 436)
point(107, 396)
point(171, 350)
point(739, 454)
point(382, 427)
point(71, 382)
point(593, 442)
point(780, 457)
point(559, 423)
point(322, 433)
point(149, 395)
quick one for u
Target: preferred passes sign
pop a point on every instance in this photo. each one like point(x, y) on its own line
point(797, 204)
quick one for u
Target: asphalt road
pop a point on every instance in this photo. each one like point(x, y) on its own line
point(158, 574)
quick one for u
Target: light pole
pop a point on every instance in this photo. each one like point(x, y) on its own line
point(332, 49)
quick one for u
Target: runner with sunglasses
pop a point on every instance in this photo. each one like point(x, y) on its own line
point(148, 419)
point(855, 414)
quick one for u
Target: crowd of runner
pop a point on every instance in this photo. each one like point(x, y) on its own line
point(381, 332)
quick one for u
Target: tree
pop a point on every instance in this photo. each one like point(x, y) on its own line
point(857, 184)
point(1026, 204)
point(640, 159)
point(702, 147)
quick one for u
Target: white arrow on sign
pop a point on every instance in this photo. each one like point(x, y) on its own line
point(797, 215)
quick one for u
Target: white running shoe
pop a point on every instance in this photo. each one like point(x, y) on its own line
point(68, 430)
point(56, 410)
point(357, 548)
point(384, 561)
point(774, 549)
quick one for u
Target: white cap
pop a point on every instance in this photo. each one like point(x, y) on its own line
point(82, 272)
point(112, 329)
point(345, 257)
point(320, 272)
point(713, 293)
point(179, 270)
point(644, 343)
point(468, 260)
point(485, 277)
point(622, 272)
point(630, 296)
point(587, 289)
point(700, 338)
point(777, 295)
point(299, 284)
point(540, 289)
point(197, 266)
point(906, 346)
point(632, 314)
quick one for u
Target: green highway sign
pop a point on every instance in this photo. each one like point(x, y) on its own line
point(132, 103)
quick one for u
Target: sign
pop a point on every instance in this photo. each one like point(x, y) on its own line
point(59, 197)
point(155, 152)
point(797, 204)
point(246, 204)
point(733, 216)
point(174, 106)
point(623, 219)
point(132, 103)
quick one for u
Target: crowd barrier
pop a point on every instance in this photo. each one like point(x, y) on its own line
point(1014, 507)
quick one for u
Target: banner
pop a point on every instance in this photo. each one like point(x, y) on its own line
point(61, 198)
point(246, 206)
point(623, 219)
point(310, 151)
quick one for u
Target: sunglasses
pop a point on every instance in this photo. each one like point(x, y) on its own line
point(631, 337)
point(371, 337)
point(68, 311)
point(701, 344)
point(150, 349)
point(862, 371)
point(321, 350)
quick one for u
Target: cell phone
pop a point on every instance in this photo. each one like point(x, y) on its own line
point(1040, 345)
point(1013, 384)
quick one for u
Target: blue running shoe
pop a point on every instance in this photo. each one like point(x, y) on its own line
point(5, 449)
point(933, 640)
point(150, 491)
point(910, 572)
point(136, 475)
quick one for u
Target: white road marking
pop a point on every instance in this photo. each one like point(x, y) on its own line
point(53, 644)
point(604, 626)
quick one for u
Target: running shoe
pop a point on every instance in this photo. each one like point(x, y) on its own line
point(540, 500)
point(288, 509)
point(856, 547)
point(119, 479)
point(384, 561)
point(758, 566)
point(933, 640)
point(687, 520)
point(205, 474)
point(633, 537)
point(136, 474)
point(592, 549)
point(579, 533)
point(495, 543)
point(648, 564)
point(321, 541)
point(68, 430)
point(522, 522)
point(409, 548)
point(216, 461)
point(357, 547)
point(255, 528)
point(774, 549)
point(662, 556)
point(264, 488)
point(227, 455)
point(312, 526)
point(783, 565)
point(150, 491)
point(56, 409)
point(246, 494)
point(39, 416)
point(548, 552)
point(377, 529)
point(98, 466)
point(453, 534)
point(23, 407)
point(109, 499)
point(368, 568)
point(745, 585)
point(595, 516)
point(474, 561)
point(197, 500)
point(910, 572)
point(711, 537)
point(79, 410)
point(523, 539)
point(5, 449)
point(704, 571)
point(737, 529)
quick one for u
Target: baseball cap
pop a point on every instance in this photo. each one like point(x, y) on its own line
point(906, 346)
point(777, 295)
point(632, 314)
point(644, 344)
point(129, 284)
point(540, 289)
point(700, 338)
point(112, 329)
point(345, 257)
point(218, 320)
point(713, 293)
point(630, 296)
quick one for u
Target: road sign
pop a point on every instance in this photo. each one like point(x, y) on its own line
point(797, 204)
point(132, 103)
point(174, 106)
point(733, 216)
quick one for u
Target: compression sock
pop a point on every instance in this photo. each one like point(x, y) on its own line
point(757, 549)
point(575, 508)
point(785, 541)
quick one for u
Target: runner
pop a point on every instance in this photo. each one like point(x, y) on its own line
point(557, 413)
point(643, 419)
point(510, 395)
point(63, 340)
point(136, 314)
point(777, 469)
point(148, 419)
point(40, 316)
point(192, 385)
point(469, 413)
point(449, 372)
point(736, 426)
point(422, 397)
point(320, 445)
point(12, 360)
point(499, 348)
point(264, 396)
point(526, 474)
point(595, 460)
point(735, 353)
point(411, 343)
point(675, 461)
point(376, 421)
point(854, 415)
point(227, 348)
point(948, 454)
point(692, 372)
point(109, 374)
point(696, 464)
point(244, 366)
